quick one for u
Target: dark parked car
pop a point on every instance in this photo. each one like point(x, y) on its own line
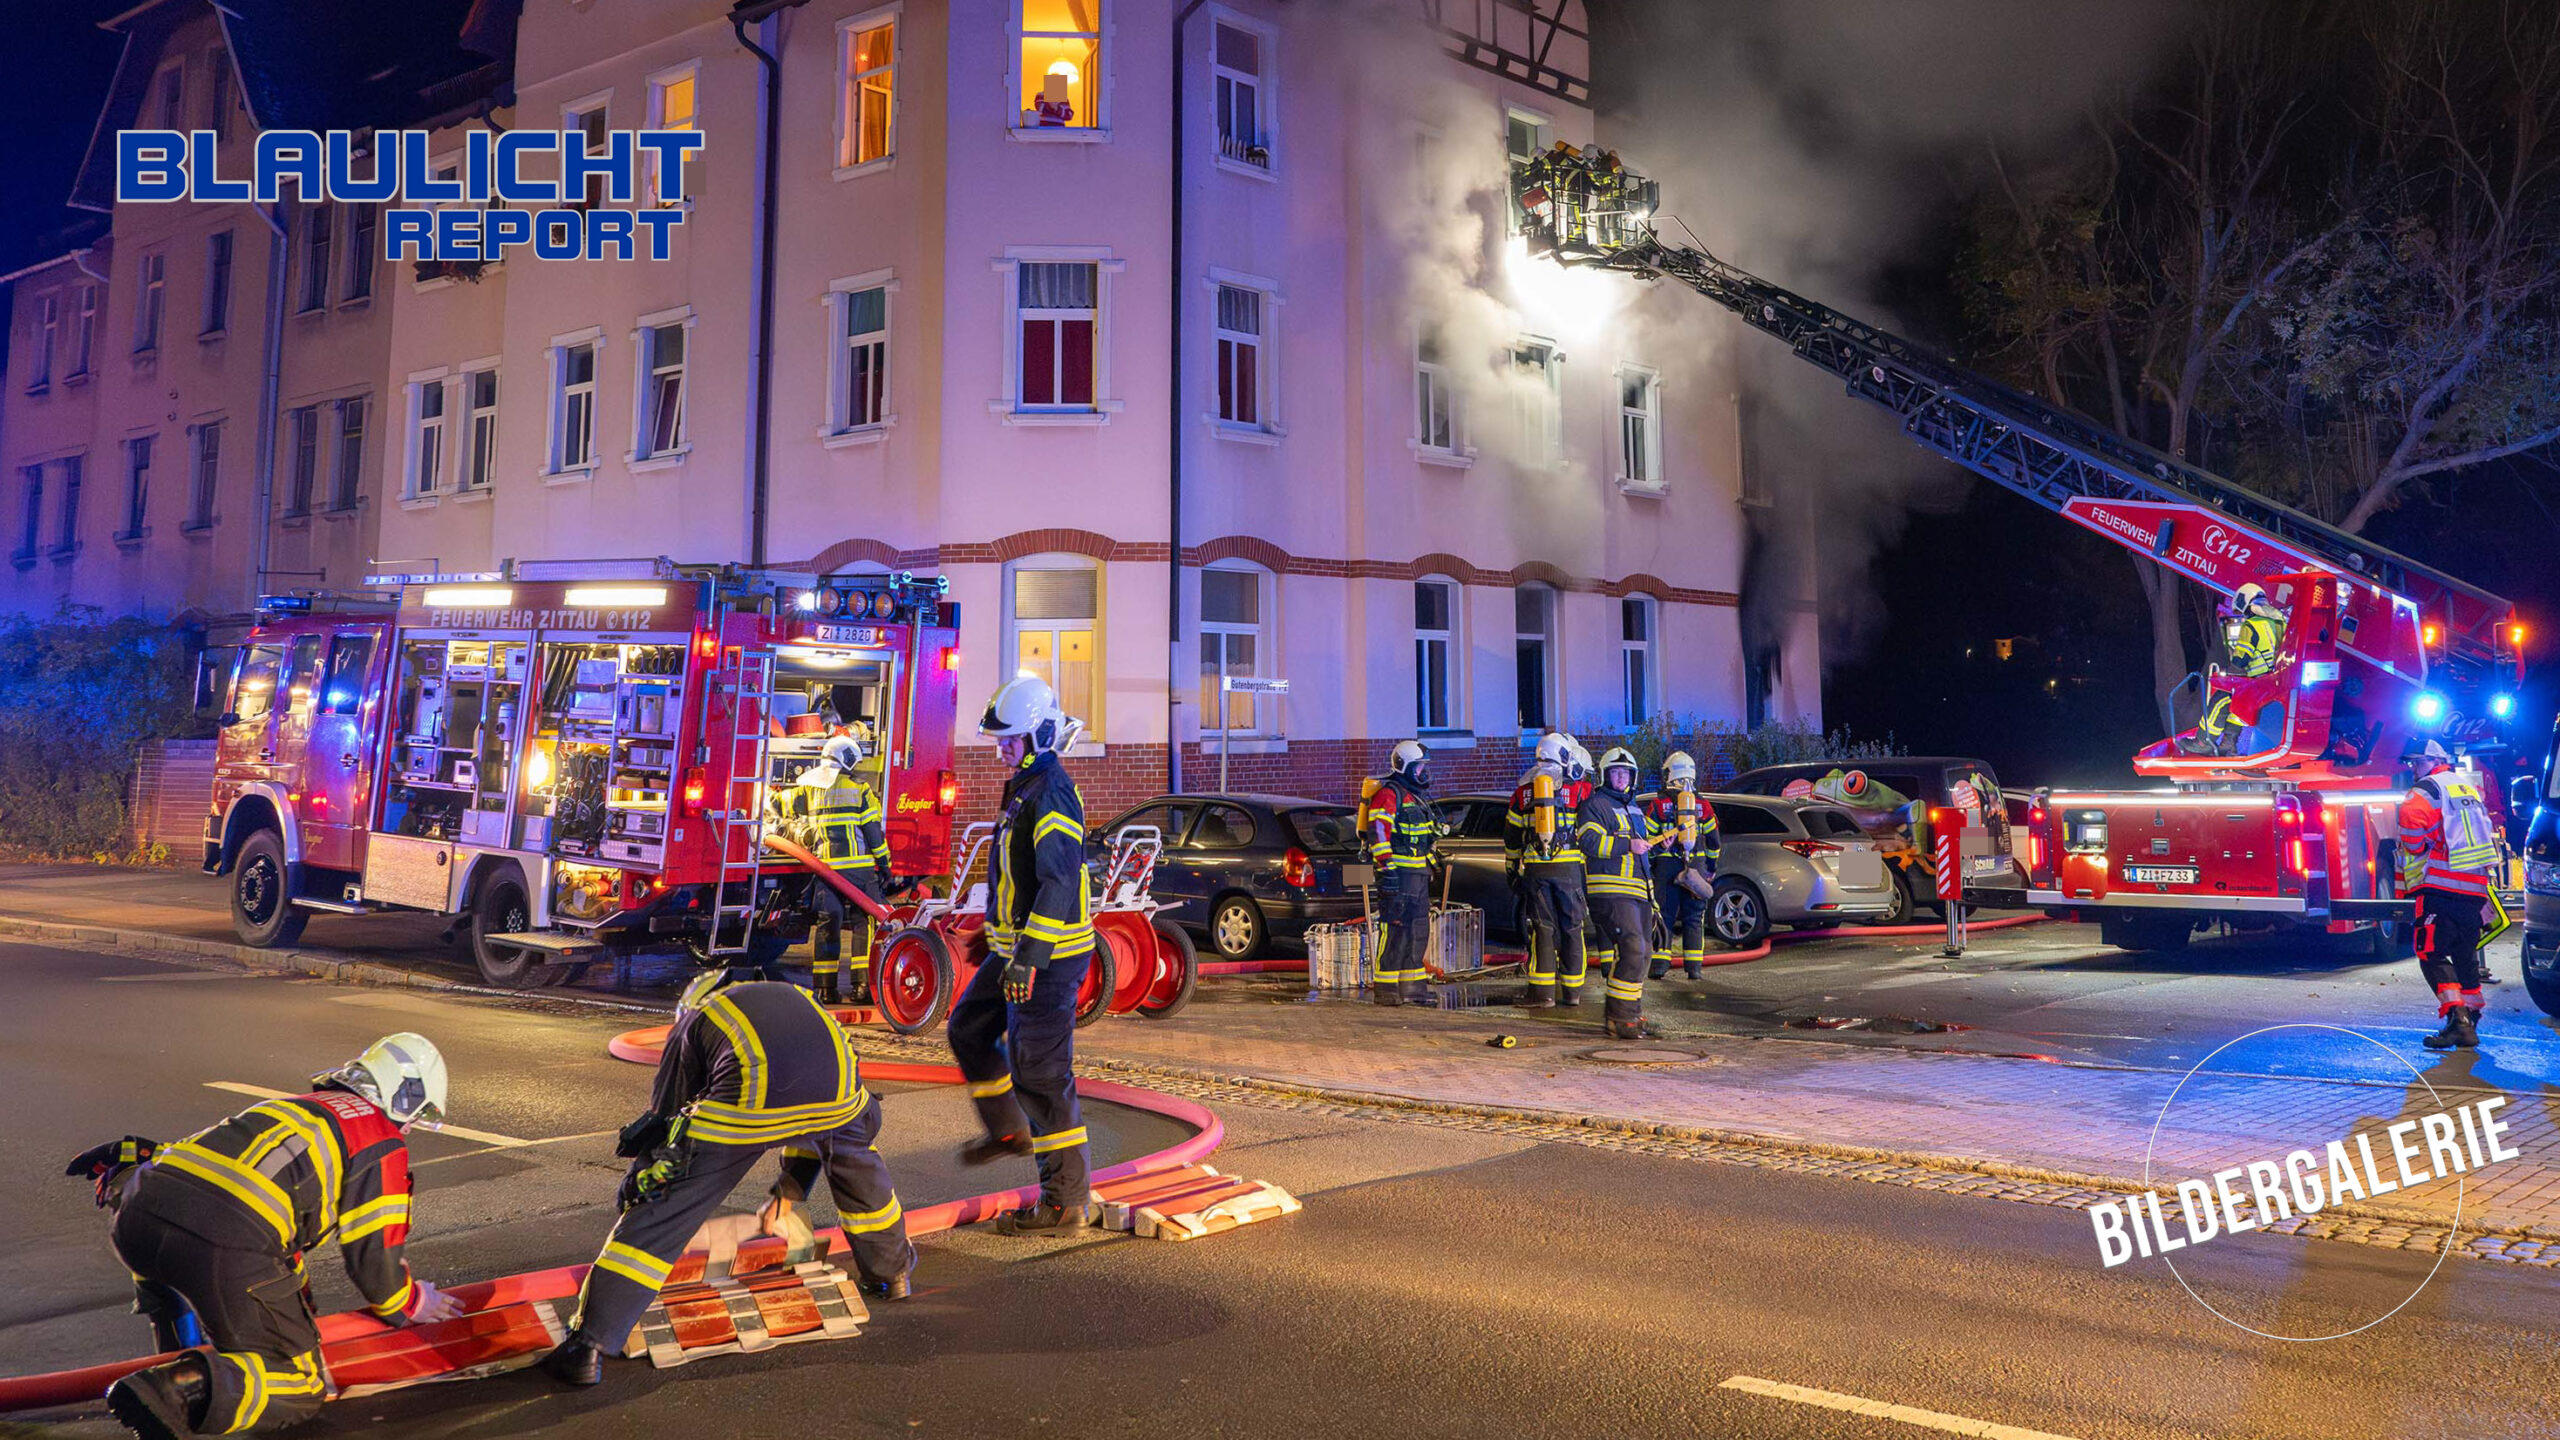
point(1244, 870)
point(1930, 780)
point(1472, 853)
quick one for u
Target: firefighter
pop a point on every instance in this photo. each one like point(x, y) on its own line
point(2253, 632)
point(749, 1065)
point(836, 813)
point(1013, 1029)
point(1544, 866)
point(1400, 826)
point(1687, 827)
point(1615, 837)
point(213, 1229)
point(2448, 850)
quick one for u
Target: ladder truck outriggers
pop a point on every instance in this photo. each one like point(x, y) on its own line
point(2379, 653)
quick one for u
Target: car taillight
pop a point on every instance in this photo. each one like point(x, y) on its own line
point(946, 793)
point(1811, 848)
point(696, 782)
point(1296, 869)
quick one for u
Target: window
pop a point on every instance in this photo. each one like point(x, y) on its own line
point(301, 673)
point(208, 475)
point(671, 107)
point(315, 256)
point(1639, 426)
point(573, 407)
point(1236, 69)
point(1537, 379)
point(867, 112)
point(480, 429)
point(1230, 644)
point(153, 271)
point(1535, 609)
point(253, 685)
point(66, 535)
point(363, 222)
point(1435, 634)
point(661, 409)
point(1169, 820)
point(862, 395)
point(342, 691)
point(1435, 427)
point(48, 321)
point(346, 482)
point(1061, 64)
point(137, 485)
point(30, 509)
point(84, 325)
point(1057, 609)
point(1733, 819)
point(173, 96)
point(1223, 827)
point(426, 440)
point(1635, 656)
point(1240, 366)
point(1524, 135)
point(590, 125)
point(218, 91)
point(1059, 307)
point(217, 282)
point(303, 425)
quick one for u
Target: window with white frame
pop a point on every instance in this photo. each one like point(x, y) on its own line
point(1436, 404)
point(1636, 617)
point(1236, 74)
point(217, 283)
point(84, 328)
point(30, 510)
point(1241, 372)
point(346, 476)
point(48, 324)
point(151, 301)
point(1231, 644)
point(206, 482)
point(860, 321)
point(1639, 426)
point(672, 106)
point(66, 532)
point(1053, 609)
point(1435, 654)
point(302, 426)
point(573, 406)
point(1537, 376)
point(364, 225)
point(479, 429)
point(1534, 606)
point(317, 224)
point(589, 125)
point(867, 106)
point(426, 437)
point(137, 485)
point(173, 95)
point(1059, 68)
point(1524, 135)
point(660, 413)
point(1059, 310)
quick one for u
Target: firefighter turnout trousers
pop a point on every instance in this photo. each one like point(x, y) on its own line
point(1684, 924)
point(2449, 948)
point(1404, 903)
point(840, 920)
point(1019, 1061)
point(1553, 915)
point(265, 1360)
point(1627, 922)
point(647, 1239)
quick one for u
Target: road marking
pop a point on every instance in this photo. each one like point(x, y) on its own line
point(459, 1132)
point(174, 973)
point(1885, 1410)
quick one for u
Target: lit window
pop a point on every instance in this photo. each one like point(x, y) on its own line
point(1056, 610)
point(869, 105)
point(1435, 639)
point(217, 283)
point(661, 391)
point(671, 107)
point(30, 509)
point(304, 422)
point(1537, 390)
point(1639, 426)
point(1061, 64)
point(207, 481)
point(346, 483)
point(862, 394)
point(1535, 607)
point(1436, 405)
point(1236, 72)
point(480, 429)
point(573, 409)
point(84, 325)
point(153, 270)
point(1240, 369)
point(426, 441)
point(315, 256)
point(363, 224)
point(66, 534)
point(48, 321)
point(1635, 653)
point(1059, 308)
point(1230, 645)
point(137, 486)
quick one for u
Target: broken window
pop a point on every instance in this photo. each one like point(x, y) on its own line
point(1061, 64)
point(870, 92)
point(1060, 308)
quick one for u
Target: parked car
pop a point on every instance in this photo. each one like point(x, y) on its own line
point(1471, 851)
point(1241, 871)
point(1932, 780)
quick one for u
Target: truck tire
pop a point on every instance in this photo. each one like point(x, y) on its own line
point(502, 907)
point(262, 912)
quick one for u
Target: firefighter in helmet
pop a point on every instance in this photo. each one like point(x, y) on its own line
point(1686, 825)
point(2448, 853)
point(1013, 1029)
point(1615, 838)
point(2253, 633)
point(749, 1065)
point(213, 1229)
point(1544, 866)
point(1397, 821)
point(837, 814)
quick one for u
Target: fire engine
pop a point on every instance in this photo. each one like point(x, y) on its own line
point(572, 758)
point(2379, 652)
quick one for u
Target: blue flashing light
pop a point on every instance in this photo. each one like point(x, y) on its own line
point(2428, 708)
point(2502, 705)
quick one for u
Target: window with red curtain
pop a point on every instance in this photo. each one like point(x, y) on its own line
point(1059, 307)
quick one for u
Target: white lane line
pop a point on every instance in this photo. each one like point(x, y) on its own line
point(174, 973)
point(1885, 1410)
point(459, 1132)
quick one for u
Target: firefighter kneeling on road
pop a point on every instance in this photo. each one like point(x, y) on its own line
point(1545, 869)
point(749, 1065)
point(2448, 849)
point(1615, 837)
point(1401, 828)
point(1013, 1031)
point(1686, 827)
point(213, 1229)
point(837, 815)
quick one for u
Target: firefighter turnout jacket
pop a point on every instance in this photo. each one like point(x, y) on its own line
point(1608, 825)
point(758, 1064)
point(1538, 829)
point(2447, 841)
point(2255, 641)
point(1041, 905)
point(1685, 827)
point(843, 822)
point(1400, 827)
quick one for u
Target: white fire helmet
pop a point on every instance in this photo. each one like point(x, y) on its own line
point(1556, 750)
point(1618, 758)
point(403, 1074)
point(1679, 772)
point(2433, 757)
point(1025, 706)
point(1410, 760)
point(1578, 766)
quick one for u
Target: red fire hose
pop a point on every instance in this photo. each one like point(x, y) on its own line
point(826, 872)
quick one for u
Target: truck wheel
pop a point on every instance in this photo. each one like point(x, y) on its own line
point(1737, 914)
point(262, 913)
point(501, 908)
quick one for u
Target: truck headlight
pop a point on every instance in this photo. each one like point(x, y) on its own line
point(2542, 877)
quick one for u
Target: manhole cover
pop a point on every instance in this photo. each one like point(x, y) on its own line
point(1644, 1055)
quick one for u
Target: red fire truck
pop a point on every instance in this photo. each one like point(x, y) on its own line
point(572, 758)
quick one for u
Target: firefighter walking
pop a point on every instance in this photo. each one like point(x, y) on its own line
point(1401, 828)
point(1544, 866)
point(836, 814)
point(1615, 837)
point(213, 1229)
point(749, 1066)
point(2448, 850)
point(1013, 1029)
point(1686, 827)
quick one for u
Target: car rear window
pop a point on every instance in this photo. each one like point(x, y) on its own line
point(1733, 819)
point(1324, 827)
point(1825, 823)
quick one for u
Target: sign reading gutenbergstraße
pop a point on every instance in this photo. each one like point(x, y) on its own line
point(2199, 542)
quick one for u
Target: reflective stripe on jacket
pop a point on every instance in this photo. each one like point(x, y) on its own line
point(1041, 904)
point(1662, 812)
point(2447, 841)
point(1521, 843)
point(757, 1064)
point(1608, 827)
point(2254, 644)
point(845, 820)
point(1399, 825)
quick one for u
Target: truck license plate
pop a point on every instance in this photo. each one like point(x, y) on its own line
point(2161, 874)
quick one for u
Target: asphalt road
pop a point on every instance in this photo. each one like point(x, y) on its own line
point(1440, 1282)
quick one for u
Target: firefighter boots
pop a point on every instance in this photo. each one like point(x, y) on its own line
point(987, 1149)
point(1046, 1219)
point(165, 1402)
point(2459, 1033)
point(577, 1361)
